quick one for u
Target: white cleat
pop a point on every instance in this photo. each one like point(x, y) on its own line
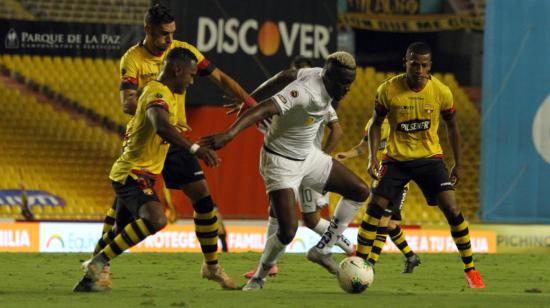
point(254, 284)
point(325, 260)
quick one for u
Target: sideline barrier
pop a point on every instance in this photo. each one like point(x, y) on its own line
point(82, 237)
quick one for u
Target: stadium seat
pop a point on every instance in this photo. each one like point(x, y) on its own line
point(55, 152)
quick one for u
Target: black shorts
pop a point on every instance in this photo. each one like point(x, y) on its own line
point(430, 174)
point(396, 204)
point(130, 196)
point(180, 168)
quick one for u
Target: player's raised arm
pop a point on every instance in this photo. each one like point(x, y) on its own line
point(266, 89)
point(159, 119)
point(249, 117)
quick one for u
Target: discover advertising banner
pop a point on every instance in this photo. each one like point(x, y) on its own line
point(253, 40)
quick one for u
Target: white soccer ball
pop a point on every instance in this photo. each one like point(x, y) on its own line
point(355, 275)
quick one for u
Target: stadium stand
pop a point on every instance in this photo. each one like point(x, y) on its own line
point(57, 152)
point(13, 9)
point(91, 82)
point(89, 11)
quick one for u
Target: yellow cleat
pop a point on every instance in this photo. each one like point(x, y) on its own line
point(216, 273)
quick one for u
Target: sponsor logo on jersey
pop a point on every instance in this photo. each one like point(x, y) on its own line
point(414, 126)
point(282, 98)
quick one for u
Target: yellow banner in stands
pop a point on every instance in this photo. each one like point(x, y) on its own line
point(416, 23)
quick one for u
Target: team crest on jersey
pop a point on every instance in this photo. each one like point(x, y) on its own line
point(309, 121)
point(429, 108)
point(282, 98)
point(158, 95)
point(294, 93)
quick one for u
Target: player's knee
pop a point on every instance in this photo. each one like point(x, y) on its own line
point(158, 222)
point(361, 192)
point(204, 205)
point(286, 235)
point(392, 225)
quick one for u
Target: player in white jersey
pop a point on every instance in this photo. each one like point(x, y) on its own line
point(289, 159)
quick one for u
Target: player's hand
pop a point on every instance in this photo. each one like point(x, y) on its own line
point(209, 157)
point(216, 141)
point(374, 168)
point(183, 126)
point(455, 175)
point(342, 156)
point(236, 106)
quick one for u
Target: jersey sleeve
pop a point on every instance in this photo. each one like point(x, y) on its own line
point(381, 101)
point(128, 73)
point(447, 104)
point(293, 96)
point(205, 67)
point(331, 116)
point(155, 97)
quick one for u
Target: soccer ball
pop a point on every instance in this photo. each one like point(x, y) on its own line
point(355, 275)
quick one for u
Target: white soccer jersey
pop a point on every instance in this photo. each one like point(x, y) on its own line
point(303, 106)
point(330, 117)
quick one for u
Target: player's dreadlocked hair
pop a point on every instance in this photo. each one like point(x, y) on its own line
point(343, 59)
point(418, 48)
point(158, 15)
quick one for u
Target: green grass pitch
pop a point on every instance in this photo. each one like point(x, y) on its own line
point(173, 280)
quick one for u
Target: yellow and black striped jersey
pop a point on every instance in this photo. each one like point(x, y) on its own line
point(138, 67)
point(143, 150)
point(413, 116)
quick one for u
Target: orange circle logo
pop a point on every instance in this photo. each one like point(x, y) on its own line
point(269, 39)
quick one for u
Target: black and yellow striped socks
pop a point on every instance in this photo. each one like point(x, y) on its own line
point(105, 240)
point(131, 235)
point(367, 230)
point(378, 244)
point(109, 220)
point(108, 233)
point(206, 229)
point(398, 238)
point(461, 236)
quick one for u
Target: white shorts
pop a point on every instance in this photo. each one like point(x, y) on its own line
point(310, 200)
point(283, 173)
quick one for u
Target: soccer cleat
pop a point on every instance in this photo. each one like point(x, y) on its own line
point(105, 278)
point(217, 274)
point(325, 260)
point(87, 285)
point(474, 279)
point(272, 272)
point(254, 284)
point(411, 263)
point(92, 269)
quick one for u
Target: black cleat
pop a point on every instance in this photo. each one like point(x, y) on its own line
point(411, 263)
point(87, 285)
